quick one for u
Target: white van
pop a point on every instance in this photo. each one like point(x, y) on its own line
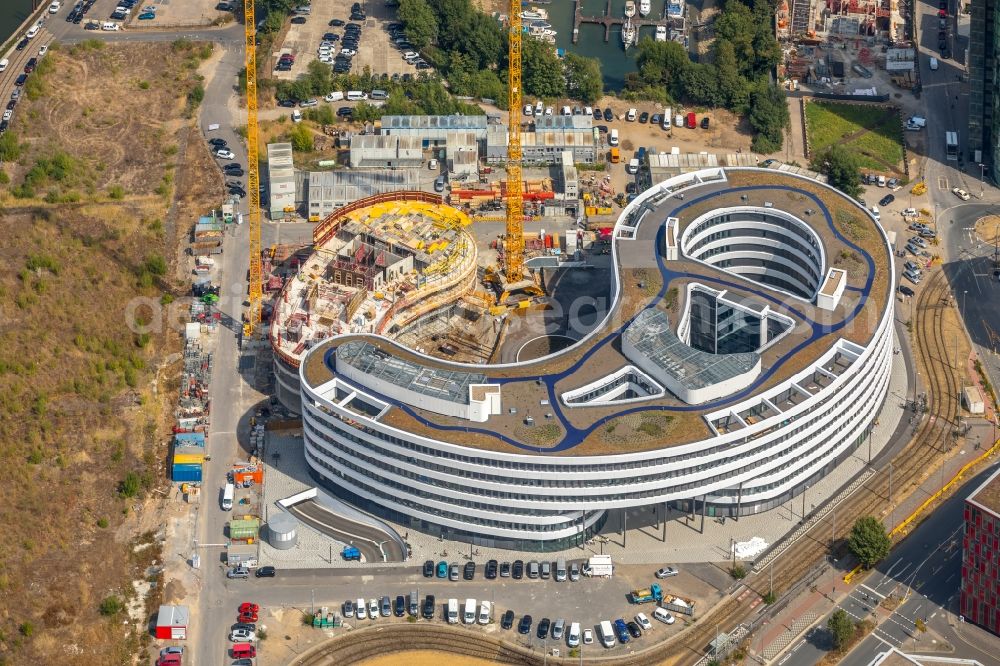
point(356, 96)
point(678, 120)
point(469, 614)
point(362, 610)
point(613, 137)
point(485, 611)
point(32, 31)
point(875, 213)
point(630, 116)
point(296, 116)
point(453, 611)
point(632, 167)
point(227, 497)
point(110, 26)
point(667, 115)
point(539, 108)
point(334, 96)
point(573, 637)
point(607, 634)
point(3, 64)
point(561, 562)
point(933, 62)
point(54, 7)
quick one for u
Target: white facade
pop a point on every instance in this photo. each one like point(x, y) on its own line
point(763, 448)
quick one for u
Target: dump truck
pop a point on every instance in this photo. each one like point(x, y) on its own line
point(679, 605)
point(351, 553)
point(647, 594)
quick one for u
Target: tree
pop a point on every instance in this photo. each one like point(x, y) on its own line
point(869, 541)
point(583, 78)
point(700, 84)
point(732, 86)
point(302, 139)
point(841, 167)
point(542, 70)
point(662, 62)
point(421, 23)
point(768, 117)
point(841, 628)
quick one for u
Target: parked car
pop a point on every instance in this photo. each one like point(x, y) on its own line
point(517, 571)
point(663, 615)
point(491, 570)
point(225, 154)
point(218, 143)
point(643, 621)
point(666, 572)
point(248, 607)
point(906, 291)
point(399, 607)
point(886, 200)
point(507, 620)
point(238, 572)
point(644, 117)
point(608, 115)
point(505, 569)
point(543, 627)
point(453, 572)
point(470, 571)
point(242, 636)
point(385, 608)
point(524, 626)
point(298, 20)
point(265, 572)
point(621, 631)
point(960, 193)
point(634, 629)
point(588, 637)
point(348, 608)
point(429, 569)
point(428, 609)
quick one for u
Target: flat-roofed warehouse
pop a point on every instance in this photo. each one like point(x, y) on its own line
point(386, 151)
point(280, 179)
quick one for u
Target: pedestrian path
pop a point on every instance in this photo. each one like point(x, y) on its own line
point(790, 634)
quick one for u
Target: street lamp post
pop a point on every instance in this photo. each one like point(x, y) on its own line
point(982, 180)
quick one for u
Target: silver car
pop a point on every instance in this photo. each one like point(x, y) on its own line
point(666, 572)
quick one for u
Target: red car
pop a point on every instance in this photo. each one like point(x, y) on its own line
point(169, 660)
point(248, 617)
point(247, 607)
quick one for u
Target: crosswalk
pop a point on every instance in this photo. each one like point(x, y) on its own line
point(785, 639)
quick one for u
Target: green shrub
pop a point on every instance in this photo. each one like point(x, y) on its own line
point(111, 606)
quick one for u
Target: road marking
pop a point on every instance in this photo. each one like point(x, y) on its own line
point(942, 183)
point(932, 615)
point(875, 634)
point(949, 578)
point(873, 592)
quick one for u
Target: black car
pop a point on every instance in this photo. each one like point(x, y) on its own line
point(93, 25)
point(348, 608)
point(633, 628)
point(11, 104)
point(340, 68)
point(358, 17)
point(905, 291)
point(886, 200)
point(21, 45)
point(286, 102)
point(345, 112)
point(336, 23)
point(265, 572)
point(524, 626)
point(399, 608)
point(118, 16)
point(233, 166)
point(543, 627)
point(597, 113)
point(608, 116)
point(238, 191)
point(422, 65)
point(77, 19)
point(429, 569)
point(19, 81)
point(3, 126)
point(244, 625)
point(428, 610)
point(507, 620)
point(72, 16)
point(234, 172)
point(298, 19)
point(630, 188)
point(644, 117)
point(491, 569)
point(220, 143)
point(331, 36)
point(518, 571)
point(705, 122)
point(470, 571)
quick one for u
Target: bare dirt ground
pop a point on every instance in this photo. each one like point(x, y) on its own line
point(86, 397)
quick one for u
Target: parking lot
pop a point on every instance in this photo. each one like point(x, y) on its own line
point(375, 51)
point(587, 601)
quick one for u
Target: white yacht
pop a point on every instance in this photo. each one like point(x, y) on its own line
point(628, 33)
point(644, 6)
point(629, 9)
point(537, 14)
point(661, 33)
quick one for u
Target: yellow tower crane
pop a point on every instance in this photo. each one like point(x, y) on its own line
point(253, 173)
point(514, 247)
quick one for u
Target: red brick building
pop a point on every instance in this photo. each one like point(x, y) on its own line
point(980, 597)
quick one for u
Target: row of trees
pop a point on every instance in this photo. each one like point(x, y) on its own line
point(470, 49)
point(745, 53)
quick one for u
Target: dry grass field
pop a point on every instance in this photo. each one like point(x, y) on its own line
point(91, 222)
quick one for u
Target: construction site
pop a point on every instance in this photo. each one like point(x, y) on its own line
point(826, 43)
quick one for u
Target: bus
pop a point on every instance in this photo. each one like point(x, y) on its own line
point(951, 145)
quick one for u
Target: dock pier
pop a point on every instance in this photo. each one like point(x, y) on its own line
point(607, 21)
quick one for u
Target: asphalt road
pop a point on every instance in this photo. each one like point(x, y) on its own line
point(925, 570)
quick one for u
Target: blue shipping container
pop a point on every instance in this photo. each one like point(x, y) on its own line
point(187, 472)
point(189, 439)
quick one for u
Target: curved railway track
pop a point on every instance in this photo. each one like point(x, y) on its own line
point(910, 466)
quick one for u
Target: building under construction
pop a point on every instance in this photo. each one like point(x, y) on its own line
point(381, 266)
point(846, 18)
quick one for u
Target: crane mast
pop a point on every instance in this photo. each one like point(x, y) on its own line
point(514, 250)
point(256, 294)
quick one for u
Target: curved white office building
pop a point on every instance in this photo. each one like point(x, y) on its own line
point(746, 351)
